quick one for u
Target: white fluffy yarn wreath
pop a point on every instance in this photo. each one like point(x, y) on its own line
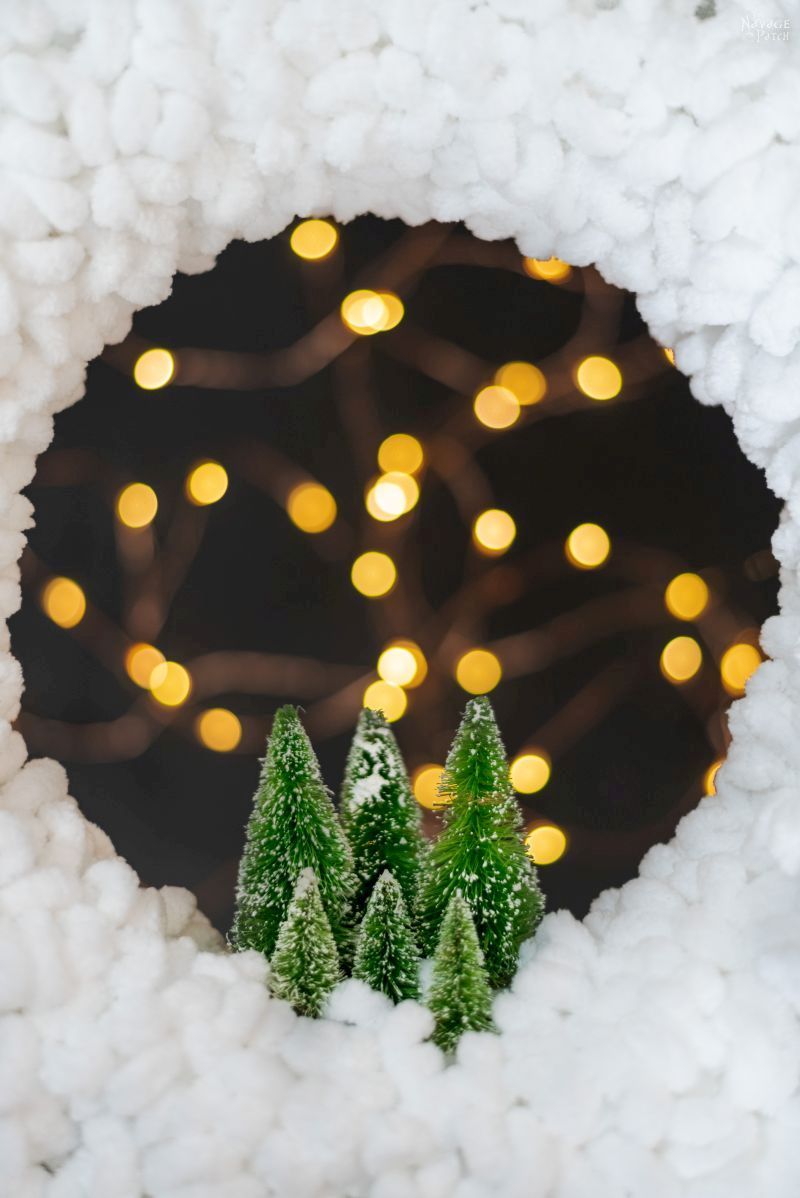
point(653, 1049)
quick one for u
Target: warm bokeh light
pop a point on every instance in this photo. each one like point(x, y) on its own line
point(669, 354)
point(546, 843)
point(552, 270)
point(153, 369)
point(140, 661)
point(311, 507)
point(400, 663)
point(170, 683)
point(386, 697)
point(64, 602)
point(497, 407)
point(373, 574)
point(218, 729)
point(681, 658)
point(206, 483)
point(314, 239)
point(530, 772)
point(395, 311)
point(137, 505)
point(366, 312)
point(397, 665)
point(599, 378)
point(425, 784)
point(401, 452)
point(710, 778)
point(493, 531)
point(525, 380)
point(478, 671)
point(392, 495)
point(588, 546)
point(737, 665)
point(687, 596)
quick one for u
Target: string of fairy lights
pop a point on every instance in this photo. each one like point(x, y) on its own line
point(513, 392)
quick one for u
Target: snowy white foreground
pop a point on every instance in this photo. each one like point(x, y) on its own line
point(652, 1050)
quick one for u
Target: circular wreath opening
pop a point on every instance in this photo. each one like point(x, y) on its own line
point(145, 545)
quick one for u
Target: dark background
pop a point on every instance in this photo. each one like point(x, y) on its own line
point(659, 472)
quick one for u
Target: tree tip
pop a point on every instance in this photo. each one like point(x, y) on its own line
point(371, 717)
point(458, 903)
point(288, 713)
point(306, 880)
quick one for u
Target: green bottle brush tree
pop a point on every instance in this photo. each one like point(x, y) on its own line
point(387, 958)
point(293, 826)
point(305, 965)
point(379, 812)
point(480, 853)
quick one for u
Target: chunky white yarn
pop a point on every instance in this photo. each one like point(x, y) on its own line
point(653, 1049)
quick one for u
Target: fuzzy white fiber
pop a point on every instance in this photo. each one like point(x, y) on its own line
point(653, 1049)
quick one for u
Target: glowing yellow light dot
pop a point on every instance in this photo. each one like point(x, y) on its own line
point(530, 772)
point(599, 378)
point(170, 683)
point(64, 602)
point(153, 369)
point(401, 452)
point(686, 597)
point(206, 483)
point(546, 843)
point(373, 574)
point(493, 531)
point(669, 354)
point(314, 239)
point(140, 661)
point(525, 380)
point(395, 310)
point(366, 312)
point(386, 697)
point(218, 729)
point(552, 270)
point(497, 407)
point(425, 784)
point(737, 665)
point(396, 668)
point(137, 505)
point(311, 507)
point(478, 671)
point(710, 778)
point(587, 546)
point(392, 495)
point(681, 658)
point(397, 665)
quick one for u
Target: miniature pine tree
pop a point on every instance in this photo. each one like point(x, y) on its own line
point(379, 812)
point(460, 997)
point(305, 964)
point(386, 955)
point(480, 852)
point(293, 825)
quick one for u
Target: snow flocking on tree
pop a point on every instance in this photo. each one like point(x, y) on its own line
point(379, 812)
point(136, 1057)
